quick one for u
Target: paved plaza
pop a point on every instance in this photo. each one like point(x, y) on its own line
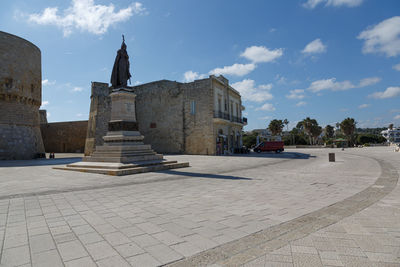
point(289, 209)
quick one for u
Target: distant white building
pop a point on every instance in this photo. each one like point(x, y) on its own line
point(265, 135)
point(392, 135)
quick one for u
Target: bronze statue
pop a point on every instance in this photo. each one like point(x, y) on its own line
point(120, 73)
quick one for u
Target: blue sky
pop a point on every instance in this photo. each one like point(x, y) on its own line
point(326, 59)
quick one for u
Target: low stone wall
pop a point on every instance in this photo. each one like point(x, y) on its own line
point(64, 137)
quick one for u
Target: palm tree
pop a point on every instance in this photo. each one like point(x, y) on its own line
point(391, 126)
point(329, 131)
point(310, 127)
point(275, 126)
point(348, 127)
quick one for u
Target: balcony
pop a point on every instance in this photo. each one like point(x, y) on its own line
point(221, 115)
point(226, 116)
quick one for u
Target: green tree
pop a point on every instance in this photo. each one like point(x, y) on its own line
point(249, 139)
point(315, 132)
point(329, 131)
point(370, 138)
point(310, 127)
point(298, 137)
point(348, 126)
point(275, 126)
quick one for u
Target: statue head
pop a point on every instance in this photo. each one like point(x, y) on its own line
point(123, 45)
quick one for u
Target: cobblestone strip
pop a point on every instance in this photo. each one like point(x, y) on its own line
point(256, 245)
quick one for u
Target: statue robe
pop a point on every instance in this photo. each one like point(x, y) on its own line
point(120, 73)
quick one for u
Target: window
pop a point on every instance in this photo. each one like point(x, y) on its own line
point(226, 104)
point(193, 107)
point(219, 104)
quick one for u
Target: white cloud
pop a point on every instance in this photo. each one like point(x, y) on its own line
point(312, 3)
point(190, 76)
point(315, 47)
point(46, 82)
point(397, 117)
point(267, 107)
point(332, 84)
point(48, 114)
point(265, 118)
point(363, 106)
point(77, 89)
point(388, 93)
point(44, 104)
point(296, 94)
point(397, 67)
point(250, 92)
point(369, 81)
point(257, 54)
point(280, 79)
point(349, 3)
point(236, 69)
point(336, 3)
point(383, 37)
point(84, 15)
point(301, 104)
point(79, 114)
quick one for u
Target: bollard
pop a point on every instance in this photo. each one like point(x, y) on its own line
point(331, 157)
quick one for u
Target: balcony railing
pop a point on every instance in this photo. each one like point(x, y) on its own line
point(226, 116)
point(221, 115)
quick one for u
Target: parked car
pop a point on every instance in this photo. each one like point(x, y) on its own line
point(276, 146)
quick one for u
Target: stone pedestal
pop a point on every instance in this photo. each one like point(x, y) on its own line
point(123, 151)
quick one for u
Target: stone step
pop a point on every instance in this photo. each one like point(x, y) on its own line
point(123, 154)
point(127, 171)
point(123, 159)
point(117, 166)
point(122, 148)
point(122, 138)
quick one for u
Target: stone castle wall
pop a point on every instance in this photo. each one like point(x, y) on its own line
point(99, 116)
point(20, 98)
point(159, 111)
point(64, 137)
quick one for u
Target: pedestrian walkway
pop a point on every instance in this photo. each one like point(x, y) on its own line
point(295, 209)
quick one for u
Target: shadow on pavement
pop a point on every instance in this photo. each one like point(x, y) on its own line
point(282, 155)
point(38, 162)
point(205, 175)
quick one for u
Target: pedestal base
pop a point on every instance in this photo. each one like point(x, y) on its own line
point(118, 169)
point(123, 151)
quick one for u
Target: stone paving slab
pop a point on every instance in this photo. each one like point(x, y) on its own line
point(160, 218)
point(250, 248)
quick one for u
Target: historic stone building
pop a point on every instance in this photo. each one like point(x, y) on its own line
point(20, 98)
point(201, 117)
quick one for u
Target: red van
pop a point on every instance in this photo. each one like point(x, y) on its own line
point(276, 146)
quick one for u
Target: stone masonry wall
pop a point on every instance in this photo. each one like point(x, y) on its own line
point(99, 116)
point(159, 111)
point(20, 98)
point(198, 125)
point(64, 137)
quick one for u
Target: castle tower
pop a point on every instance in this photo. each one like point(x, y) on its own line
point(20, 98)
